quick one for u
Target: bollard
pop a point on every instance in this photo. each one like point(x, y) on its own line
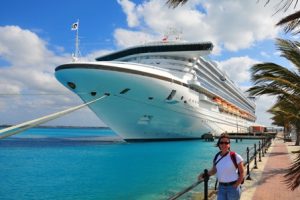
point(266, 146)
point(206, 178)
point(262, 148)
point(236, 140)
point(248, 165)
point(259, 151)
point(255, 157)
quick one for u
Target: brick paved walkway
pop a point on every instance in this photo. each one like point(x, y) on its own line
point(271, 186)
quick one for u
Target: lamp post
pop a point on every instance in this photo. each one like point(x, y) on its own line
point(237, 124)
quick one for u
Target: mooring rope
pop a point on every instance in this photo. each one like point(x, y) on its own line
point(38, 94)
point(6, 132)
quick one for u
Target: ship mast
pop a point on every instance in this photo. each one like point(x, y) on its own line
point(76, 54)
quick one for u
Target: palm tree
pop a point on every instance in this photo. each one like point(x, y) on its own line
point(286, 113)
point(279, 119)
point(273, 79)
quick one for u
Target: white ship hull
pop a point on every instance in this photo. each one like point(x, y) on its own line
point(137, 107)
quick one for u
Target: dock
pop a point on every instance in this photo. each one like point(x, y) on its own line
point(241, 136)
point(252, 135)
point(268, 180)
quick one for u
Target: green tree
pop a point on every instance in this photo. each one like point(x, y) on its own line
point(279, 119)
point(286, 114)
point(273, 79)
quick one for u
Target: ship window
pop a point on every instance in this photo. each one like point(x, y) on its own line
point(171, 95)
point(124, 91)
point(150, 98)
point(93, 93)
point(181, 97)
point(71, 85)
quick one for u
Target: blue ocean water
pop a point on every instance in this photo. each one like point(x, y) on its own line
point(93, 164)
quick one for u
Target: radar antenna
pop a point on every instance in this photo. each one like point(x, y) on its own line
point(172, 34)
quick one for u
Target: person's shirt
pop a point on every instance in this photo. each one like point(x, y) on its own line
point(226, 171)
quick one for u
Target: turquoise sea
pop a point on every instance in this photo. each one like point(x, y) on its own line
point(93, 164)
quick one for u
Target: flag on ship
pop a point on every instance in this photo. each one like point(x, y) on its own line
point(74, 26)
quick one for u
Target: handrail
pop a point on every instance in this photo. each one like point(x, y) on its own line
point(185, 190)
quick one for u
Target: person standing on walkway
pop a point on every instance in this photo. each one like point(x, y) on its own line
point(229, 168)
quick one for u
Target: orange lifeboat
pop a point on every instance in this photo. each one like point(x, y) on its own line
point(217, 100)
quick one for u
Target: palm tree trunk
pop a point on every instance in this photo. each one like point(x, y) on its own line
point(297, 133)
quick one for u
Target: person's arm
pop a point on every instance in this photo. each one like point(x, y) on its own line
point(241, 174)
point(210, 172)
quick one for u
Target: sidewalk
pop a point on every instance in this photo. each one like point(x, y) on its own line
point(267, 181)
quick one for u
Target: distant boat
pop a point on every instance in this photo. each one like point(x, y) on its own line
point(160, 91)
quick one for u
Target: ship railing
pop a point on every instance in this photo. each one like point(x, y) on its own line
point(209, 188)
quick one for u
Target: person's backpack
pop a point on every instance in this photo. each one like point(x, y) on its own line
point(233, 158)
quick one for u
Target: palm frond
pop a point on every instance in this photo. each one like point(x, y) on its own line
point(292, 178)
point(287, 108)
point(266, 89)
point(270, 76)
point(290, 50)
point(283, 5)
point(291, 23)
point(175, 3)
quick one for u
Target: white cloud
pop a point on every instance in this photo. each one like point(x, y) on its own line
point(95, 54)
point(128, 38)
point(16, 46)
point(129, 9)
point(263, 103)
point(265, 54)
point(237, 68)
point(229, 24)
point(31, 72)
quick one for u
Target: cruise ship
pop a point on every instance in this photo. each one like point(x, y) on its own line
point(160, 91)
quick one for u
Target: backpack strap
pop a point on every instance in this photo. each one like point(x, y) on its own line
point(215, 158)
point(233, 158)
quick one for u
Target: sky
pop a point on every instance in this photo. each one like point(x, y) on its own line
point(36, 37)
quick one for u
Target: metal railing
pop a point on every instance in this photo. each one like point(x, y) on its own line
point(251, 155)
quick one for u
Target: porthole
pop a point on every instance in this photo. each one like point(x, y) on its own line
point(71, 85)
point(124, 91)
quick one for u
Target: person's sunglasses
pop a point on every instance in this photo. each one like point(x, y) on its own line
point(224, 143)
